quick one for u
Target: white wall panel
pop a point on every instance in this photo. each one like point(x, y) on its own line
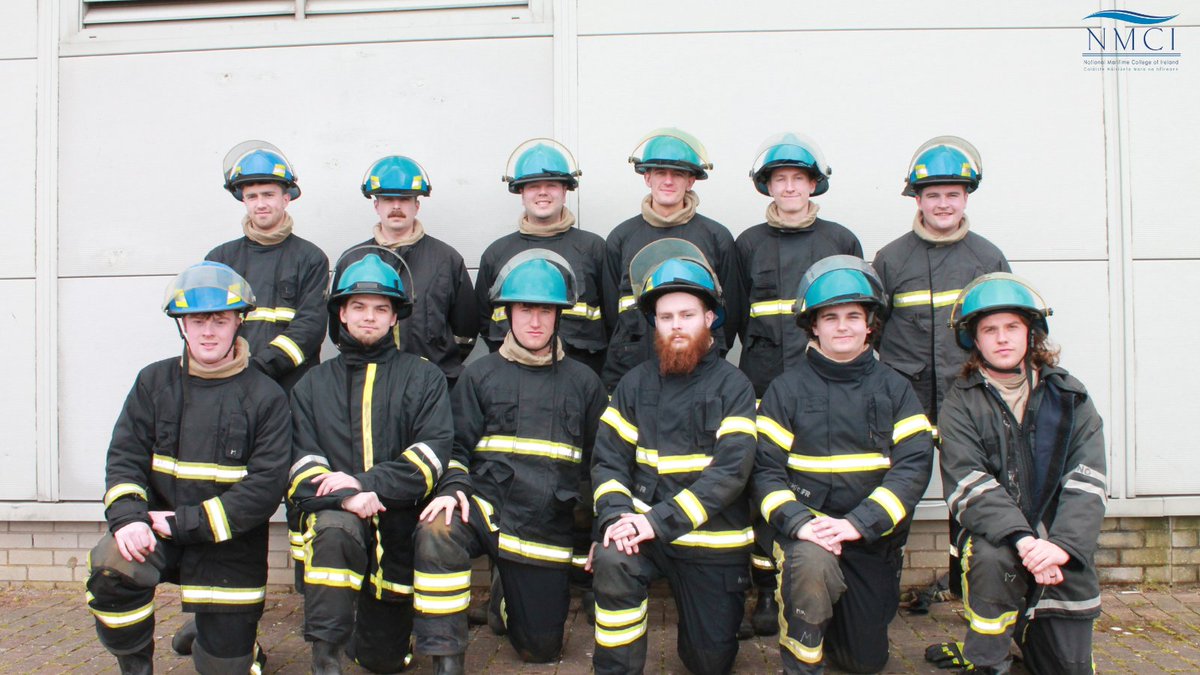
point(109, 330)
point(1164, 156)
point(140, 174)
point(1166, 369)
point(18, 456)
point(859, 94)
point(18, 134)
point(18, 29)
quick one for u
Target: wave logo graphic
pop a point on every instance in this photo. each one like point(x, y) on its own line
point(1130, 17)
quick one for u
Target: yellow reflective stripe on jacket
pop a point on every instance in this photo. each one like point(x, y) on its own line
point(368, 436)
point(449, 581)
point(610, 485)
point(530, 446)
point(925, 297)
point(626, 302)
point(692, 507)
point(425, 470)
point(289, 347)
point(391, 586)
point(890, 503)
point(771, 308)
point(780, 436)
point(774, 500)
point(215, 595)
point(867, 461)
point(619, 424)
point(488, 512)
point(197, 470)
point(499, 314)
point(296, 544)
point(121, 619)
point(910, 426)
point(121, 489)
point(617, 627)
point(715, 539)
point(455, 464)
point(215, 510)
point(582, 310)
point(333, 577)
point(271, 314)
point(731, 425)
point(534, 550)
point(305, 475)
point(671, 463)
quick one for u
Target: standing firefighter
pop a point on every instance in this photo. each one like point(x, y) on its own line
point(525, 419)
point(844, 454)
point(542, 171)
point(286, 329)
point(442, 324)
point(372, 438)
point(924, 270)
point(670, 161)
point(1023, 467)
point(670, 469)
point(773, 256)
point(196, 466)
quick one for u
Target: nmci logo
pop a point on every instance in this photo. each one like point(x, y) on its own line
point(1137, 42)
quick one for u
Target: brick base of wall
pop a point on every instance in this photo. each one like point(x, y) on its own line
point(1132, 551)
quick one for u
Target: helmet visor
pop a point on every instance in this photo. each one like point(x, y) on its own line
point(656, 253)
point(239, 151)
point(511, 169)
point(573, 288)
point(960, 144)
point(210, 276)
point(387, 255)
point(692, 142)
point(957, 308)
point(788, 139)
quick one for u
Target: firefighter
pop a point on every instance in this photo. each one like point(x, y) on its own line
point(1023, 467)
point(789, 168)
point(286, 329)
point(670, 161)
point(525, 419)
point(443, 321)
point(372, 436)
point(542, 171)
point(196, 466)
point(924, 270)
point(670, 466)
point(844, 454)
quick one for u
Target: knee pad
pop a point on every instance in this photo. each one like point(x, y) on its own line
point(435, 541)
point(106, 565)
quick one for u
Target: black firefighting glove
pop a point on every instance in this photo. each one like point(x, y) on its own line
point(948, 655)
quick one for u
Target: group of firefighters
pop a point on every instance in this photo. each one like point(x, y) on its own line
point(605, 440)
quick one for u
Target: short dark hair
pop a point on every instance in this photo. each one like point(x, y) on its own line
point(874, 322)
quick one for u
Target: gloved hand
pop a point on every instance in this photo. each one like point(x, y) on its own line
point(948, 655)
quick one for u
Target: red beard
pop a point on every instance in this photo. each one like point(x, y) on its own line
point(681, 359)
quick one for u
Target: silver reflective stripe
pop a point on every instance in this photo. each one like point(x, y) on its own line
point(431, 456)
point(305, 460)
point(969, 480)
point(1064, 605)
point(958, 502)
point(1073, 484)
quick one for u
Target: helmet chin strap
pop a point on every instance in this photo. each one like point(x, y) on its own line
point(553, 334)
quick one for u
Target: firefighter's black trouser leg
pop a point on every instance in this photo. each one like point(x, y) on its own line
point(536, 598)
point(836, 606)
point(762, 563)
point(995, 590)
point(709, 598)
point(121, 597)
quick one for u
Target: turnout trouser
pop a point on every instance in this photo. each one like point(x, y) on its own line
point(709, 598)
point(536, 597)
point(341, 606)
point(836, 606)
point(120, 594)
point(996, 592)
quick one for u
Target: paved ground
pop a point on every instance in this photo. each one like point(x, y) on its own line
point(49, 631)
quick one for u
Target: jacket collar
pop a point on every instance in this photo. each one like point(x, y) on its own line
point(841, 371)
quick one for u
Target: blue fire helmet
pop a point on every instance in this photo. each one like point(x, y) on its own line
point(252, 162)
point(370, 276)
point(535, 277)
point(682, 275)
point(396, 176)
point(790, 149)
point(941, 160)
point(996, 292)
point(670, 148)
point(208, 287)
point(541, 159)
point(838, 280)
